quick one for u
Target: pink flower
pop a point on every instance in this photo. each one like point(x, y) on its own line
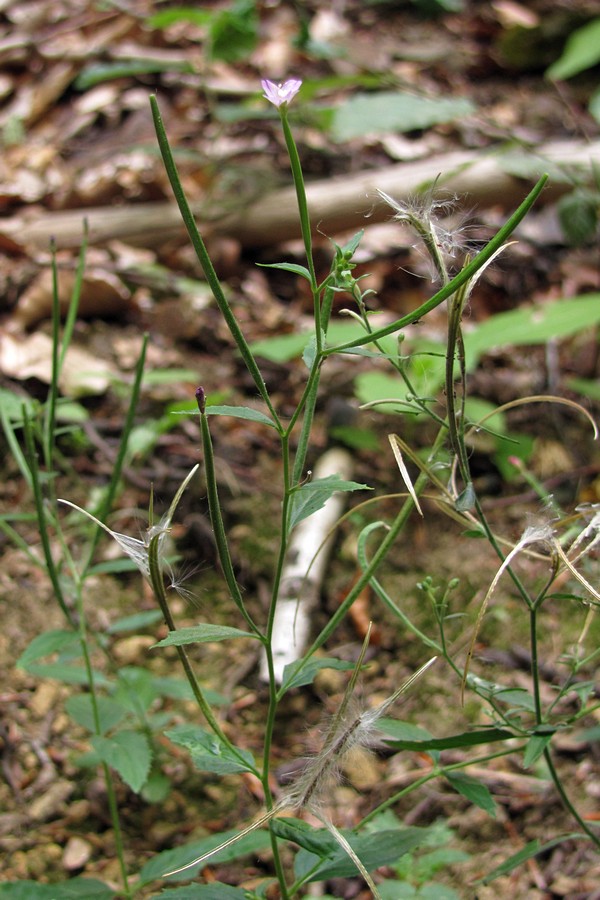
point(278, 94)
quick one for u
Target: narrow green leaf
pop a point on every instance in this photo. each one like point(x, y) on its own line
point(177, 14)
point(374, 850)
point(45, 645)
point(67, 673)
point(237, 412)
point(128, 752)
point(586, 387)
point(97, 73)
point(533, 325)
point(288, 267)
point(215, 891)
point(202, 634)
point(208, 752)
point(74, 889)
point(582, 51)
point(136, 622)
point(533, 848)
point(474, 791)
point(173, 859)
point(80, 708)
point(316, 840)
point(403, 740)
point(517, 697)
point(388, 111)
point(308, 671)
point(313, 495)
point(536, 745)
point(309, 352)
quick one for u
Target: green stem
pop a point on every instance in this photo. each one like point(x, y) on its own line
point(106, 771)
point(50, 410)
point(309, 402)
point(158, 588)
point(205, 261)
point(565, 799)
point(43, 519)
point(298, 177)
point(396, 528)
point(435, 772)
point(214, 508)
point(117, 468)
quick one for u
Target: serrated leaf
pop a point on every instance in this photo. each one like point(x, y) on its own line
point(373, 850)
point(81, 710)
point(208, 752)
point(128, 753)
point(308, 671)
point(313, 495)
point(74, 889)
point(45, 645)
point(474, 791)
point(389, 111)
point(136, 689)
point(582, 51)
point(288, 267)
point(202, 634)
point(173, 859)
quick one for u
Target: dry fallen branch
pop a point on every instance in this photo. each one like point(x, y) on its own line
point(337, 204)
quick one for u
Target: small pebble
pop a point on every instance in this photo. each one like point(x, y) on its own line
point(76, 854)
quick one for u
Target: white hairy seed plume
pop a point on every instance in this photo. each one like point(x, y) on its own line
point(342, 736)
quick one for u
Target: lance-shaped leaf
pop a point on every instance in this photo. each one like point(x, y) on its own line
point(313, 495)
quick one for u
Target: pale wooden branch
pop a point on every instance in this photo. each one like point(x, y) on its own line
point(337, 204)
point(304, 570)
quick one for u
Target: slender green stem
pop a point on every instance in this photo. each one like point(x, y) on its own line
point(50, 406)
point(309, 402)
point(535, 672)
point(435, 772)
point(158, 588)
point(455, 422)
point(206, 263)
point(298, 177)
point(565, 798)
point(113, 806)
point(117, 468)
point(43, 519)
point(396, 528)
point(214, 508)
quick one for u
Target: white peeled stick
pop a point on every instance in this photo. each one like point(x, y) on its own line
point(304, 570)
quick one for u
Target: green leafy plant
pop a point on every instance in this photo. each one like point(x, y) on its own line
point(117, 708)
